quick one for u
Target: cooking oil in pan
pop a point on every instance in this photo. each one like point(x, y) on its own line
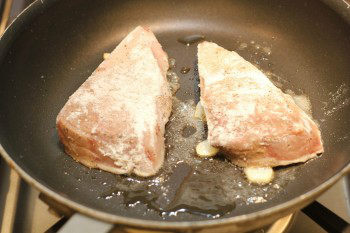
point(186, 184)
point(337, 100)
point(174, 82)
point(191, 39)
point(185, 70)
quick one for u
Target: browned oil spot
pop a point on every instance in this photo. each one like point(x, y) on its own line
point(188, 130)
point(185, 70)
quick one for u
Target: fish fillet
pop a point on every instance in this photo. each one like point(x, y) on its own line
point(249, 118)
point(116, 120)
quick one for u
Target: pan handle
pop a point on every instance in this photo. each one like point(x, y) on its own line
point(326, 219)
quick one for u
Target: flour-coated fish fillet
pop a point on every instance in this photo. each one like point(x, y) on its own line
point(116, 120)
point(249, 118)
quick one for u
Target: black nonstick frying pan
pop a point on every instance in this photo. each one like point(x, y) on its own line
point(54, 45)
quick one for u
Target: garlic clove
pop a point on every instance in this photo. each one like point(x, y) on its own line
point(205, 150)
point(259, 175)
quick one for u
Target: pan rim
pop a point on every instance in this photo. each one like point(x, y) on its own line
point(284, 208)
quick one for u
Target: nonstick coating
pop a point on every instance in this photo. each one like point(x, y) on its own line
point(54, 46)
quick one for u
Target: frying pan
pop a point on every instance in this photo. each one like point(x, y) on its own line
point(54, 45)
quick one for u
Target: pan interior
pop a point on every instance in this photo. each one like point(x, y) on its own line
point(57, 49)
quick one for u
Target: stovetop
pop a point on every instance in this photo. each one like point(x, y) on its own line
point(32, 215)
